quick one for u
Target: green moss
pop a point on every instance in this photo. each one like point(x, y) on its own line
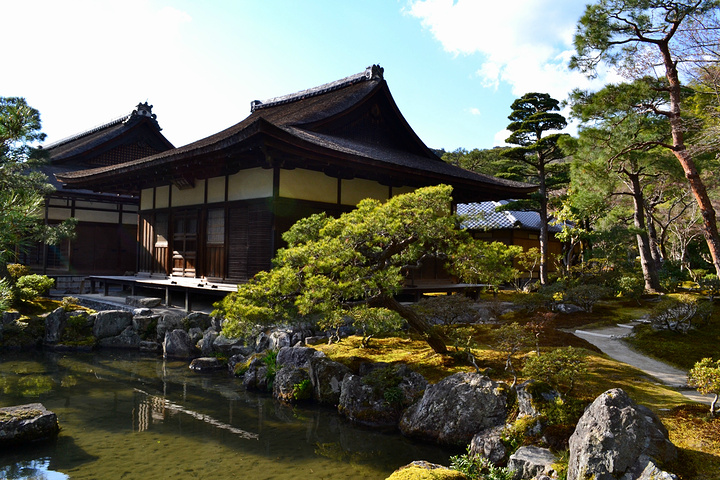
point(19, 414)
point(417, 473)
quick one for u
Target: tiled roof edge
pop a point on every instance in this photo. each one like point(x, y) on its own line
point(370, 73)
point(78, 136)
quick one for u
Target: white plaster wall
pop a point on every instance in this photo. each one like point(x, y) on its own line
point(251, 183)
point(357, 189)
point(216, 190)
point(190, 196)
point(308, 185)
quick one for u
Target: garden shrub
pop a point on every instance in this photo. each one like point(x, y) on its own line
point(6, 294)
point(558, 367)
point(680, 314)
point(17, 270)
point(631, 286)
point(710, 285)
point(33, 286)
point(586, 296)
point(705, 377)
point(447, 309)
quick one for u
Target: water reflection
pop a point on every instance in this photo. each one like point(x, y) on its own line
point(142, 417)
point(36, 469)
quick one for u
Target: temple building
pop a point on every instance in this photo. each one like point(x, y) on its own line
point(215, 209)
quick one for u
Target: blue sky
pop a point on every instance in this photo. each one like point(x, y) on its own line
point(453, 67)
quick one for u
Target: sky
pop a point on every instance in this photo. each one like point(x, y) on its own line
point(454, 67)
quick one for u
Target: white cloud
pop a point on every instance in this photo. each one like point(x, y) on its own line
point(523, 43)
point(475, 111)
point(499, 138)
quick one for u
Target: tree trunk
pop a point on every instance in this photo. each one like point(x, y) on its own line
point(432, 336)
point(543, 224)
point(709, 224)
point(649, 267)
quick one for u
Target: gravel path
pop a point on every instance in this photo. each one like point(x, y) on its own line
point(607, 339)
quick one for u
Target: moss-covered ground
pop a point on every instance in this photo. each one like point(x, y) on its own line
point(691, 428)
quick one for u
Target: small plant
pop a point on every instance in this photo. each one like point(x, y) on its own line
point(510, 338)
point(475, 467)
point(558, 367)
point(270, 360)
point(705, 377)
point(69, 303)
point(302, 390)
point(710, 284)
point(375, 321)
point(6, 294)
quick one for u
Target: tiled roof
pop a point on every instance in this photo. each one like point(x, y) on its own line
point(484, 216)
point(314, 122)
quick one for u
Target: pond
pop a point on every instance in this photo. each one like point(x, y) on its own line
point(125, 416)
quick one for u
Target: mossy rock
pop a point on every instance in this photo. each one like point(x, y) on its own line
point(421, 470)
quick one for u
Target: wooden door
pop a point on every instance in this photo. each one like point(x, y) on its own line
point(184, 237)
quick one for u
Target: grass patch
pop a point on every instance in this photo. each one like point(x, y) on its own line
point(697, 435)
point(681, 350)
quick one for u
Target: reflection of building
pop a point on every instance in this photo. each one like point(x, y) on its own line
point(217, 208)
point(105, 240)
point(150, 409)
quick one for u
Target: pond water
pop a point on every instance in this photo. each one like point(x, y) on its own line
point(129, 417)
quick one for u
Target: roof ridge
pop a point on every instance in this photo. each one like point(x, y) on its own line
point(121, 119)
point(370, 73)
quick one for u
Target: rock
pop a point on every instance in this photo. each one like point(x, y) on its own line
point(149, 346)
point(287, 380)
point(224, 345)
point(256, 378)
point(646, 469)
point(530, 394)
point(488, 443)
point(296, 356)
point(127, 339)
point(55, 323)
point(146, 325)
point(199, 320)
point(422, 470)
point(234, 361)
point(453, 410)
point(614, 436)
point(206, 343)
point(143, 312)
point(27, 423)
point(195, 335)
point(365, 405)
point(527, 462)
point(279, 339)
point(262, 342)
point(568, 308)
point(177, 344)
point(10, 317)
point(167, 323)
point(142, 302)
point(316, 340)
point(206, 364)
point(327, 377)
point(111, 323)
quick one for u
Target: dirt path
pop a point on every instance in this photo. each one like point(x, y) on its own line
point(607, 339)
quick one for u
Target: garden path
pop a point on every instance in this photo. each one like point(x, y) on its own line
point(608, 340)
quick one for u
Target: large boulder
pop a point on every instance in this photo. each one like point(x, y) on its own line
point(297, 356)
point(27, 423)
point(168, 322)
point(292, 384)
point(364, 404)
point(327, 377)
point(531, 395)
point(453, 410)
point(177, 344)
point(146, 325)
point(224, 345)
point(55, 323)
point(111, 323)
point(206, 343)
point(206, 364)
point(256, 376)
point(142, 302)
point(615, 437)
point(527, 462)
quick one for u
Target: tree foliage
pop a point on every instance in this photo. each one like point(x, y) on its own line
point(22, 187)
point(705, 376)
point(533, 116)
point(561, 366)
point(333, 266)
point(640, 37)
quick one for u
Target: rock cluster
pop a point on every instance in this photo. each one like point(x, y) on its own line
point(27, 423)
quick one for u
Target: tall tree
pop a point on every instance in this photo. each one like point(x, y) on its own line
point(22, 188)
point(639, 36)
point(533, 115)
point(613, 133)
